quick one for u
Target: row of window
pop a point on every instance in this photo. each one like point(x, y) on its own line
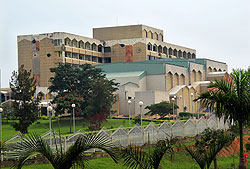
point(80, 44)
point(88, 57)
point(170, 51)
point(152, 35)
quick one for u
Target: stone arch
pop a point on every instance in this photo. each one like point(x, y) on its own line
point(179, 54)
point(193, 56)
point(184, 54)
point(150, 34)
point(149, 46)
point(175, 52)
point(156, 36)
point(165, 50)
point(214, 70)
point(94, 47)
point(170, 51)
point(81, 44)
point(160, 37)
point(160, 49)
point(100, 48)
point(169, 81)
point(67, 41)
point(144, 33)
point(224, 70)
point(219, 70)
point(199, 76)
point(74, 43)
point(175, 80)
point(193, 76)
point(189, 55)
point(182, 79)
point(87, 45)
point(209, 70)
point(155, 48)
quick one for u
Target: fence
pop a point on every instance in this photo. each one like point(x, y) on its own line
point(150, 134)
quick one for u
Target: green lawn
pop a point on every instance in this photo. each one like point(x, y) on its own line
point(8, 130)
point(181, 161)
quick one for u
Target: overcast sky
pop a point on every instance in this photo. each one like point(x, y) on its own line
point(217, 29)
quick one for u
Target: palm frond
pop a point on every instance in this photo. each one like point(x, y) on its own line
point(134, 157)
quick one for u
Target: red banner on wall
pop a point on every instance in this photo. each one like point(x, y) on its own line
point(37, 79)
point(129, 53)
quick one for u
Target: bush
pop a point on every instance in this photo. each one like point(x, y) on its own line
point(53, 117)
point(137, 119)
point(184, 114)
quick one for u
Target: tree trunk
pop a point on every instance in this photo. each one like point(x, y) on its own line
point(215, 163)
point(242, 164)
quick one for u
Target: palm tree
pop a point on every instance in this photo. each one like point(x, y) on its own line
point(231, 99)
point(135, 157)
point(33, 145)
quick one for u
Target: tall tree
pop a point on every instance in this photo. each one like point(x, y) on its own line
point(231, 99)
point(25, 103)
point(87, 81)
point(162, 109)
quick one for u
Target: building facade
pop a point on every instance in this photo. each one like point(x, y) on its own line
point(147, 68)
point(40, 52)
point(178, 81)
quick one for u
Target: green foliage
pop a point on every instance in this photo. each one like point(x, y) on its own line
point(8, 110)
point(162, 109)
point(230, 98)
point(137, 157)
point(87, 81)
point(33, 145)
point(208, 146)
point(25, 104)
point(137, 119)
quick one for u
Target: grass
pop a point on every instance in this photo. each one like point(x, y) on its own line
point(43, 126)
point(181, 161)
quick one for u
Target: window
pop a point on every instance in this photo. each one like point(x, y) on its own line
point(99, 60)
point(107, 49)
point(107, 60)
point(59, 54)
point(57, 42)
point(81, 57)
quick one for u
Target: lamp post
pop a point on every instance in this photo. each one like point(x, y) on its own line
point(129, 102)
point(140, 104)
point(198, 108)
point(192, 94)
point(49, 109)
point(74, 124)
point(173, 99)
point(1, 110)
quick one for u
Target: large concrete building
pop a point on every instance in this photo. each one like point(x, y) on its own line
point(133, 43)
point(173, 80)
point(136, 56)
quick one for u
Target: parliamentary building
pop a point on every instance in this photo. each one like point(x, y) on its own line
point(148, 68)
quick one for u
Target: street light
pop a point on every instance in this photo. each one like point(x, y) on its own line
point(173, 99)
point(140, 104)
point(129, 102)
point(49, 109)
point(74, 124)
point(192, 94)
point(198, 108)
point(1, 110)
